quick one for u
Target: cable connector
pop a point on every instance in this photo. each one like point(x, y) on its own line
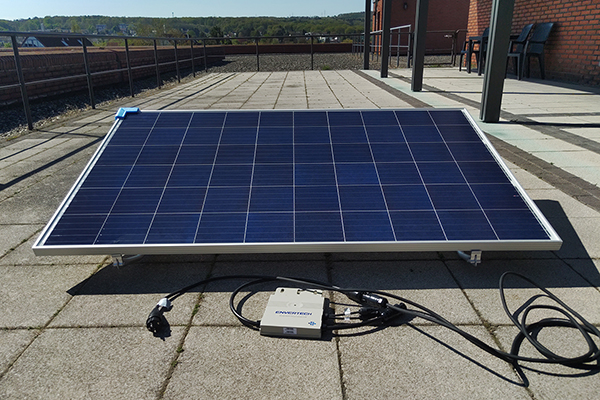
point(156, 320)
point(368, 299)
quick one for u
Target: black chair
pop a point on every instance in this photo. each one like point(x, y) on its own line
point(535, 46)
point(475, 45)
point(517, 50)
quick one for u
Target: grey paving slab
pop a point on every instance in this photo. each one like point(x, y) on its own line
point(97, 363)
point(480, 286)
point(238, 363)
point(22, 255)
point(12, 344)
point(13, 235)
point(555, 381)
point(125, 296)
point(425, 282)
point(424, 362)
point(33, 294)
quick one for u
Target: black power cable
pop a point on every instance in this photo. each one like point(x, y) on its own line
point(376, 309)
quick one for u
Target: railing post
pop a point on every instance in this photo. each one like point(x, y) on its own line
point(129, 68)
point(88, 73)
point(24, 96)
point(158, 80)
point(192, 51)
point(257, 57)
point(176, 61)
point(312, 54)
point(205, 59)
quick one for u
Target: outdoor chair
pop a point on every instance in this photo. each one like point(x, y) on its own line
point(475, 45)
point(535, 46)
point(516, 50)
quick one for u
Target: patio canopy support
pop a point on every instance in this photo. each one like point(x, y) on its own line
point(419, 45)
point(495, 66)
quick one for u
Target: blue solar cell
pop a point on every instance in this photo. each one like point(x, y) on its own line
point(384, 134)
point(361, 197)
point(407, 197)
point(449, 117)
point(310, 118)
point(107, 176)
point(154, 155)
point(270, 227)
point(273, 175)
point(311, 134)
point(458, 133)
point(316, 198)
point(280, 118)
point(219, 177)
point(125, 229)
point(173, 120)
point(516, 225)
point(241, 119)
point(418, 133)
point(231, 175)
point(76, 230)
point(235, 154)
point(189, 175)
point(131, 137)
point(466, 225)
point(348, 134)
point(379, 118)
point(208, 119)
point(119, 155)
point(274, 153)
point(352, 153)
point(441, 172)
point(173, 228)
point(182, 200)
point(202, 136)
point(414, 118)
point(345, 118)
point(226, 199)
point(483, 172)
point(356, 174)
point(314, 174)
point(148, 176)
point(416, 225)
point(367, 226)
point(469, 151)
point(165, 136)
point(272, 198)
point(430, 152)
point(452, 197)
point(239, 135)
point(276, 135)
point(398, 174)
point(203, 154)
point(390, 152)
point(318, 227)
point(221, 228)
point(312, 153)
point(137, 200)
point(498, 196)
point(97, 201)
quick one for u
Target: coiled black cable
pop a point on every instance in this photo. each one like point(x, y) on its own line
point(380, 311)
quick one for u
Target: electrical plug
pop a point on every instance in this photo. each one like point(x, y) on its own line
point(156, 320)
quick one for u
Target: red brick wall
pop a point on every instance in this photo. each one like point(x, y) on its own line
point(573, 49)
point(443, 15)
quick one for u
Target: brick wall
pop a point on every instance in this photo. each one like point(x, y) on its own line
point(573, 49)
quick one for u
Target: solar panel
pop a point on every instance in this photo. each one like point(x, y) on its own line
point(295, 181)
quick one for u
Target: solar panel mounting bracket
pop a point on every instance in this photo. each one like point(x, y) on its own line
point(120, 260)
point(473, 258)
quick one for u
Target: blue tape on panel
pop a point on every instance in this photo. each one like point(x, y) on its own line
point(123, 111)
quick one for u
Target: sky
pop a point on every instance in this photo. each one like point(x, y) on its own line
point(23, 9)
